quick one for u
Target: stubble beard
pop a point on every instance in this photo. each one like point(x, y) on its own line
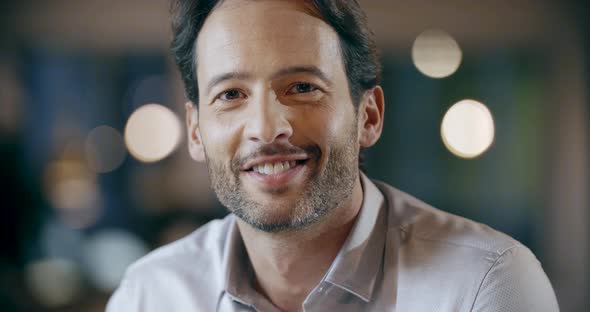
point(323, 192)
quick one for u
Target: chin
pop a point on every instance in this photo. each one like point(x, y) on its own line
point(275, 217)
point(273, 213)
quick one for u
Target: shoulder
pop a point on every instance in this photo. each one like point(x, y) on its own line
point(516, 282)
point(206, 244)
point(185, 273)
point(425, 223)
point(476, 265)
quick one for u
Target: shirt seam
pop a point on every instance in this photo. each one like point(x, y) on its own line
point(430, 239)
point(487, 274)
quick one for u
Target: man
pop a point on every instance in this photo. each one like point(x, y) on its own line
point(284, 94)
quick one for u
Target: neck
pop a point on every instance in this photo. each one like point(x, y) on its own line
point(288, 265)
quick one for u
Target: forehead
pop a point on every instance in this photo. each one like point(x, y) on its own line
point(260, 36)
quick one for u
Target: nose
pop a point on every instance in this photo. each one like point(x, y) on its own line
point(267, 120)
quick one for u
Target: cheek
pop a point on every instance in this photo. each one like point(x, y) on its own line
point(220, 139)
point(324, 126)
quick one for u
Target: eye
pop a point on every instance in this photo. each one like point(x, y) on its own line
point(302, 87)
point(230, 95)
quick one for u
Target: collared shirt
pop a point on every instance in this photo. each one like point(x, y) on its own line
point(401, 255)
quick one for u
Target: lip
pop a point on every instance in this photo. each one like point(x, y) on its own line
point(278, 180)
point(273, 159)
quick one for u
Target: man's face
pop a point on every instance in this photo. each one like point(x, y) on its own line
point(276, 122)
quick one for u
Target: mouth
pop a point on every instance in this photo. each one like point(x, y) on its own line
point(273, 174)
point(277, 167)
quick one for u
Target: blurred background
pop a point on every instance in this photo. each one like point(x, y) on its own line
point(487, 116)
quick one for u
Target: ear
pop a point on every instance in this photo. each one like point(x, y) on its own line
point(370, 117)
point(195, 144)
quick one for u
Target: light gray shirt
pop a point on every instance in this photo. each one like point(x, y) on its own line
point(401, 255)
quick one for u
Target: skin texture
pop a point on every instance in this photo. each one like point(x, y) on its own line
point(284, 93)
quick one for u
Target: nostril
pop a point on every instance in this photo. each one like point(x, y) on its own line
point(282, 135)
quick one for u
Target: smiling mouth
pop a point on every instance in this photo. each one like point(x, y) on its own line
point(275, 168)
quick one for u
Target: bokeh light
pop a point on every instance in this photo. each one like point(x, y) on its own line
point(152, 133)
point(467, 129)
point(54, 282)
point(107, 255)
point(436, 54)
point(72, 189)
point(105, 149)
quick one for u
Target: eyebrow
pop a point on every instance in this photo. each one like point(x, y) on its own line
point(279, 74)
point(303, 69)
point(226, 76)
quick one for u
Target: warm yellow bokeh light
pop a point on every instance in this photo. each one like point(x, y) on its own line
point(105, 150)
point(468, 129)
point(152, 132)
point(436, 54)
point(72, 190)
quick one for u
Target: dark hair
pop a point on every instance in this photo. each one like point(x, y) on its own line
point(344, 16)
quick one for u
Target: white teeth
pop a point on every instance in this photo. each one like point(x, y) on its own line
point(275, 168)
point(268, 169)
point(278, 168)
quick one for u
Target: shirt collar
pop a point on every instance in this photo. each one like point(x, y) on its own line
point(359, 261)
point(355, 268)
point(237, 270)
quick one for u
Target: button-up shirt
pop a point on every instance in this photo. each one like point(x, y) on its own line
point(401, 255)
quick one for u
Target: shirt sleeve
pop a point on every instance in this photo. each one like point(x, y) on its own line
point(516, 282)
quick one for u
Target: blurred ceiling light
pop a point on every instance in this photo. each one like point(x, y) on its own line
point(152, 133)
point(67, 167)
point(108, 254)
point(72, 194)
point(53, 282)
point(105, 150)
point(72, 190)
point(468, 129)
point(436, 54)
